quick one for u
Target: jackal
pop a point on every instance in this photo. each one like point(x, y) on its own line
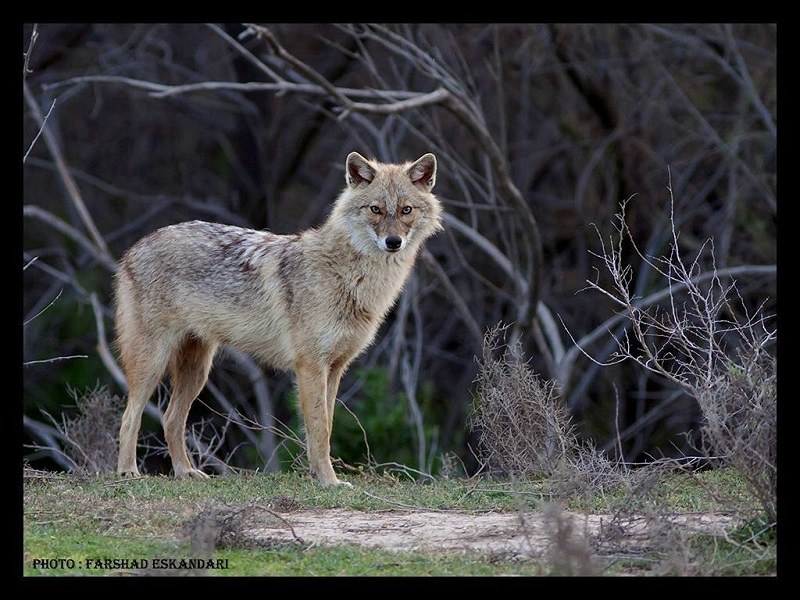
point(309, 302)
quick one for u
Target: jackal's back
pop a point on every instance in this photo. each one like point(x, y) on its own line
point(216, 282)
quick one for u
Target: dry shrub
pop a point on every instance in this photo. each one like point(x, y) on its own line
point(525, 431)
point(215, 527)
point(740, 422)
point(524, 427)
point(640, 515)
point(227, 527)
point(705, 340)
point(91, 435)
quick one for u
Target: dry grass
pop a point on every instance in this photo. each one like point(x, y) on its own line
point(569, 552)
point(91, 436)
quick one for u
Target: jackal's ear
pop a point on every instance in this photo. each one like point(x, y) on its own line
point(423, 172)
point(358, 170)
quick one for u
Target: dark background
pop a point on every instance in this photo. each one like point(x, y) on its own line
point(583, 116)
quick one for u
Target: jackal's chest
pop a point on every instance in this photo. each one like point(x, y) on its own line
point(354, 312)
point(367, 297)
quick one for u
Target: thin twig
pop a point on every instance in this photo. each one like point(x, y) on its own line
point(284, 521)
point(46, 307)
point(565, 365)
point(27, 55)
point(39, 133)
point(361, 427)
point(54, 359)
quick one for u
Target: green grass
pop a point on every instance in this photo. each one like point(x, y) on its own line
point(87, 517)
point(286, 560)
point(349, 561)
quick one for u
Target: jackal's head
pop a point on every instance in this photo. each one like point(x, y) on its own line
point(388, 207)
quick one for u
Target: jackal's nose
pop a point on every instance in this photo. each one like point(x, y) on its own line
point(393, 243)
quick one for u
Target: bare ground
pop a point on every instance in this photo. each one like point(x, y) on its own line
point(509, 534)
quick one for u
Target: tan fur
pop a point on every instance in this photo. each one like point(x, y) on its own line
point(309, 303)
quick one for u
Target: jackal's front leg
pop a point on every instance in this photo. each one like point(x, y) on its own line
point(312, 389)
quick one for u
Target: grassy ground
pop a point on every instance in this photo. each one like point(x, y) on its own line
point(83, 518)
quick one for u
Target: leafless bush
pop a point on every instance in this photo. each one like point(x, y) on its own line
point(215, 527)
point(525, 430)
point(588, 475)
point(704, 340)
point(640, 512)
point(740, 410)
point(91, 436)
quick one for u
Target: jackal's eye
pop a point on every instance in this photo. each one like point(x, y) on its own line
point(406, 210)
point(375, 209)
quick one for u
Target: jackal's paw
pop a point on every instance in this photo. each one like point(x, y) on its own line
point(191, 473)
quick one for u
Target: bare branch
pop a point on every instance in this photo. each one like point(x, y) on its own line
point(69, 182)
point(306, 70)
point(747, 82)
point(39, 133)
point(455, 296)
point(54, 359)
point(102, 344)
point(60, 276)
point(264, 402)
point(244, 52)
point(158, 90)
point(27, 55)
point(30, 210)
point(49, 436)
point(564, 366)
point(30, 262)
point(551, 331)
point(500, 259)
point(45, 308)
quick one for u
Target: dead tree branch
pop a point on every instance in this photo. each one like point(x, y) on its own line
point(104, 258)
point(69, 182)
point(27, 54)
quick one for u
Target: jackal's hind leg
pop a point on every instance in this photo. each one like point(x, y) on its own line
point(188, 367)
point(144, 368)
